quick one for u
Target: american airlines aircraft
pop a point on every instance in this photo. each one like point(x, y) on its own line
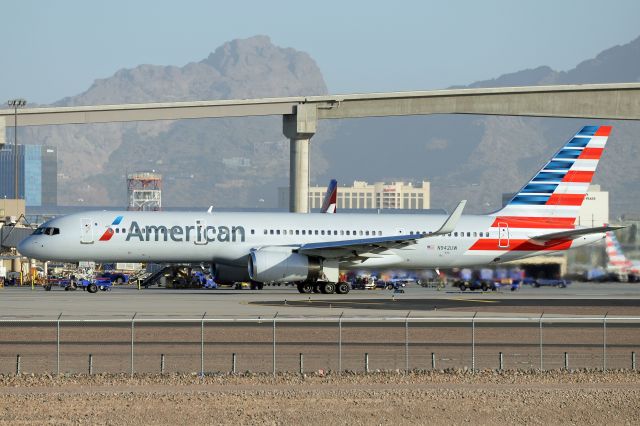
point(310, 249)
point(618, 262)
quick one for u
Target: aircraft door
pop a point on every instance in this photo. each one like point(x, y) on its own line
point(86, 231)
point(503, 235)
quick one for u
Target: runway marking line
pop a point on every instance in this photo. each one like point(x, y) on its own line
point(473, 300)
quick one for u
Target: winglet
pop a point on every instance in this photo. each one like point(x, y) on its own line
point(450, 224)
point(210, 209)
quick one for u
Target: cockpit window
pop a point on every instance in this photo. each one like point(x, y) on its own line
point(47, 231)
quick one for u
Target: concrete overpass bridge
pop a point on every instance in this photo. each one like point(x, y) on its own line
point(618, 101)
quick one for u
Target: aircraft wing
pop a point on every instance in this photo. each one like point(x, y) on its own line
point(575, 233)
point(362, 247)
point(373, 247)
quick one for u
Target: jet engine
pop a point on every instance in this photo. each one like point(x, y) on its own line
point(283, 266)
point(228, 274)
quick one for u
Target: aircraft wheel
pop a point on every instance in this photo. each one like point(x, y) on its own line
point(343, 288)
point(328, 288)
point(463, 287)
point(92, 288)
point(305, 288)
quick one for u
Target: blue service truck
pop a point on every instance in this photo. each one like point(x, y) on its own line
point(73, 283)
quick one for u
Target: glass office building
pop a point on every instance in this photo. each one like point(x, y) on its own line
point(37, 174)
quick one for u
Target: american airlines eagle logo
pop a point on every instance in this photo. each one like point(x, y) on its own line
point(109, 232)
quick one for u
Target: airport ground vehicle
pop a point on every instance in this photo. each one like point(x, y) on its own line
point(483, 285)
point(115, 277)
point(73, 283)
point(541, 282)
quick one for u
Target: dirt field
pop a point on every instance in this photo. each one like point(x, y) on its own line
point(440, 397)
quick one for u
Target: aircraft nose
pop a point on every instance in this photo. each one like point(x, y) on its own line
point(28, 247)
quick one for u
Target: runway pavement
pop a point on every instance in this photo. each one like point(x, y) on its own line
point(123, 302)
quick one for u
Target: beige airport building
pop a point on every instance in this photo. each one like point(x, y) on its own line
point(362, 195)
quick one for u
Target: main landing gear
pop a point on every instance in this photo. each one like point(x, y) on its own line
point(324, 287)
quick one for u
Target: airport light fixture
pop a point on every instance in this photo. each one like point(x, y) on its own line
point(15, 104)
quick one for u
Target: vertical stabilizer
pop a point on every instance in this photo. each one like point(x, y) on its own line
point(617, 259)
point(558, 190)
point(330, 203)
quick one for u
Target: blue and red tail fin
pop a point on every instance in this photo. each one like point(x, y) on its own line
point(330, 203)
point(617, 259)
point(557, 191)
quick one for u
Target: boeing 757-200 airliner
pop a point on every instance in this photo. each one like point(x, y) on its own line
point(310, 249)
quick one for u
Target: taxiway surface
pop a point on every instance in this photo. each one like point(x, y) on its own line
point(123, 302)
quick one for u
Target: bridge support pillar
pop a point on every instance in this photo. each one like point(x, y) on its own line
point(299, 128)
point(3, 132)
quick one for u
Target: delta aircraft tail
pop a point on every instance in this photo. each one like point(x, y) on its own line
point(553, 197)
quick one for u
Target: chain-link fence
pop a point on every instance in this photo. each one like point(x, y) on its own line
point(285, 344)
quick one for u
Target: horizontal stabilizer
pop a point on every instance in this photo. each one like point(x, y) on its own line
point(575, 233)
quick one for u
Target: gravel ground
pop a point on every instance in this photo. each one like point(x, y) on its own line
point(441, 397)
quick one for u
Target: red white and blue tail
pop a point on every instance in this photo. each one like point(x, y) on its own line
point(557, 191)
point(330, 203)
point(617, 259)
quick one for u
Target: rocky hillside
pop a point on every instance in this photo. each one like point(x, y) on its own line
point(478, 158)
point(226, 162)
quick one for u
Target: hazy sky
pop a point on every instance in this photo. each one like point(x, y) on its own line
point(54, 49)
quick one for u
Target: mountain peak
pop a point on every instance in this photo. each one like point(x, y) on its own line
point(257, 58)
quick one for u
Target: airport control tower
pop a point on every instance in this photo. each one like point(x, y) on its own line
point(144, 191)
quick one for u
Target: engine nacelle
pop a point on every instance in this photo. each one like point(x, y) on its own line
point(282, 266)
point(228, 274)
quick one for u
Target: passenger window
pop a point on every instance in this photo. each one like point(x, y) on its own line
point(322, 232)
point(475, 234)
point(366, 233)
point(278, 231)
point(360, 232)
point(335, 232)
point(342, 232)
point(304, 232)
point(117, 230)
point(348, 232)
point(253, 231)
point(297, 232)
point(316, 232)
point(123, 230)
point(468, 234)
point(455, 234)
point(379, 232)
